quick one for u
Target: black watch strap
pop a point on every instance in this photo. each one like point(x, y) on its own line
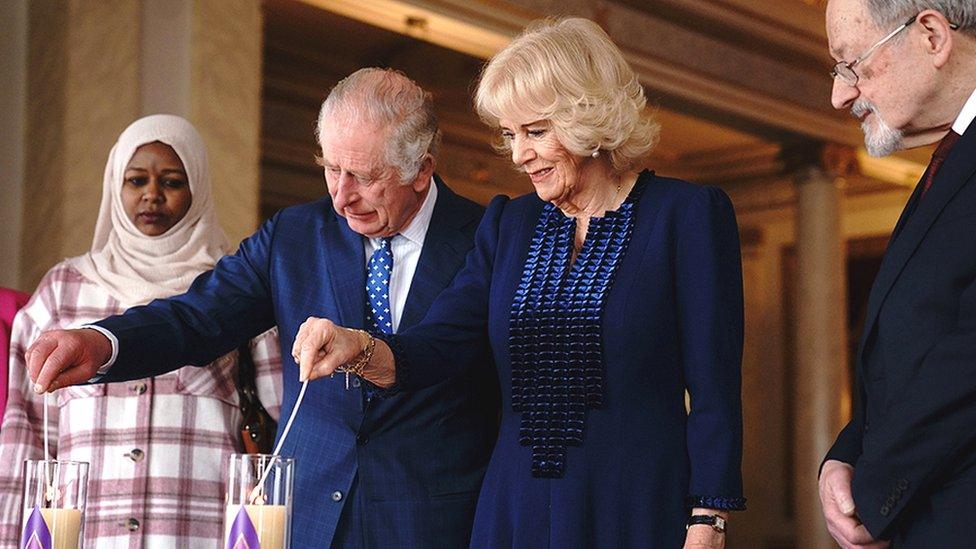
point(716, 522)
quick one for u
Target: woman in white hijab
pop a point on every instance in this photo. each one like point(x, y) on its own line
point(157, 447)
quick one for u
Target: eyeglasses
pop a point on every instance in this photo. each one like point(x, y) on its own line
point(845, 70)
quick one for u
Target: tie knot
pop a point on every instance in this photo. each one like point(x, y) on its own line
point(942, 151)
point(385, 242)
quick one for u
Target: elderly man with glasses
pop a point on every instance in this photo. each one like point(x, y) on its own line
point(903, 471)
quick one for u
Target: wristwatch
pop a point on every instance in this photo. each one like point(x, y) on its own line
point(716, 522)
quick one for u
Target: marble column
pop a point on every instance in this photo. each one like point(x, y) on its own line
point(94, 67)
point(820, 381)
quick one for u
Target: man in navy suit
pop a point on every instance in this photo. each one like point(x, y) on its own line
point(904, 469)
point(372, 469)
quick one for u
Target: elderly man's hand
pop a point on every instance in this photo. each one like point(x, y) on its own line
point(838, 508)
point(320, 347)
point(60, 358)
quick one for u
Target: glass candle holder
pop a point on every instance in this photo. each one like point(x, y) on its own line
point(258, 514)
point(54, 504)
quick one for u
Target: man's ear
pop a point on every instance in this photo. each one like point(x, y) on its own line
point(424, 174)
point(937, 35)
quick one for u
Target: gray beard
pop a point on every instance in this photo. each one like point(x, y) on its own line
point(884, 140)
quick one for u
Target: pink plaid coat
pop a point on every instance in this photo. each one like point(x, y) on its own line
point(157, 447)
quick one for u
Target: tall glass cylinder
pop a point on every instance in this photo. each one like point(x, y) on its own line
point(258, 513)
point(54, 504)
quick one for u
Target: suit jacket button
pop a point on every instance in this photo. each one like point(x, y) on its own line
point(337, 496)
point(362, 438)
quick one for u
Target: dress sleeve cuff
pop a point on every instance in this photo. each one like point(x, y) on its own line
point(104, 368)
point(723, 503)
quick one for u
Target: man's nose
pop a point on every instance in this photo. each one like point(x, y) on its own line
point(346, 189)
point(842, 95)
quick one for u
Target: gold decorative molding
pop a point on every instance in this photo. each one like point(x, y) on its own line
point(482, 27)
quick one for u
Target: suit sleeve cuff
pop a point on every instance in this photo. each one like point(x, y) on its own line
point(104, 368)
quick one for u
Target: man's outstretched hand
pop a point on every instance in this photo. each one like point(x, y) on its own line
point(60, 358)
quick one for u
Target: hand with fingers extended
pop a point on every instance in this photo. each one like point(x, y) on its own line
point(60, 358)
point(321, 347)
point(837, 502)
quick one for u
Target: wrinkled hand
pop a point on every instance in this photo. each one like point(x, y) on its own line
point(702, 536)
point(60, 358)
point(838, 508)
point(320, 347)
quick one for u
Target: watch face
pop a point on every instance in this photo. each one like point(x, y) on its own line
point(715, 521)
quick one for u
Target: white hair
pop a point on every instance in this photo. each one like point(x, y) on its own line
point(386, 98)
point(891, 13)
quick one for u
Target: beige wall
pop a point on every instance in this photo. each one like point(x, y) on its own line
point(13, 104)
point(80, 97)
point(225, 104)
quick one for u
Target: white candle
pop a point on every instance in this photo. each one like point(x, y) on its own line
point(65, 527)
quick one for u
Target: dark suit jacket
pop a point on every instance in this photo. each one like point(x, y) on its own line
point(401, 471)
point(912, 436)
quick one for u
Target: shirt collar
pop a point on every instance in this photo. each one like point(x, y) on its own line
point(417, 229)
point(966, 115)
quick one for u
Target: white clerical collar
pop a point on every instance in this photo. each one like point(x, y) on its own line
point(966, 115)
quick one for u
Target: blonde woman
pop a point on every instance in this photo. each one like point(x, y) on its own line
point(157, 446)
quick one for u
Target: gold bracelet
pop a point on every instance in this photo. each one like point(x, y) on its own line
point(369, 345)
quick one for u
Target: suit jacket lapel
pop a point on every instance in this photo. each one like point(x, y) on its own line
point(444, 249)
point(346, 263)
point(958, 168)
point(907, 212)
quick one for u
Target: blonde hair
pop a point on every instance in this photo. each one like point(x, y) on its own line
point(570, 73)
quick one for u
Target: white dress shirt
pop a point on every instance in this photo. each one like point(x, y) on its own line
point(966, 115)
point(406, 247)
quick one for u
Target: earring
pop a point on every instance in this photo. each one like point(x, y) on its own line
point(595, 153)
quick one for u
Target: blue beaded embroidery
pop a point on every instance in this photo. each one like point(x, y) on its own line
point(716, 502)
point(554, 335)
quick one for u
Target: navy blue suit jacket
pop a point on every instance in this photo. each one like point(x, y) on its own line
point(672, 321)
point(912, 439)
point(403, 470)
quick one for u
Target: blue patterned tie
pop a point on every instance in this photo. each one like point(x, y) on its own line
point(378, 288)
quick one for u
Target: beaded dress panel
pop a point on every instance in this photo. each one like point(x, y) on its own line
point(555, 335)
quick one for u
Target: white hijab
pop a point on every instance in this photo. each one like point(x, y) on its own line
point(135, 268)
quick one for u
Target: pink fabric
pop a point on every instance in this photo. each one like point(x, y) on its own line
point(183, 424)
point(10, 302)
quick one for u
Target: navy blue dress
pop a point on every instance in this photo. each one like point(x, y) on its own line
point(596, 448)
